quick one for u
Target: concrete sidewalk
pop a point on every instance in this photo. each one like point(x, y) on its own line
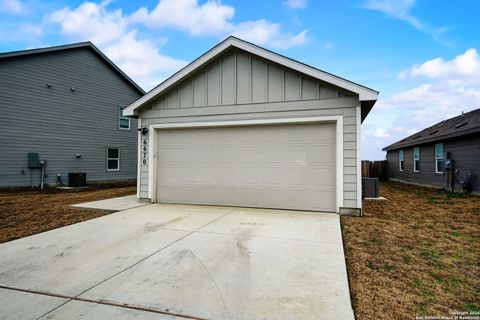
point(114, 204)
point(180, 262)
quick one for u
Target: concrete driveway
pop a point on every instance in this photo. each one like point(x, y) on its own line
point(180, 262)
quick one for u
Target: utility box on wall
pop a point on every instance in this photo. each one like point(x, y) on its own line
point(33, 161)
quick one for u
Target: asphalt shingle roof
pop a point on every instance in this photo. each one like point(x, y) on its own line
point(466, 123)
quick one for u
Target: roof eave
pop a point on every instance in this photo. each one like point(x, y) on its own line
point(462, 133)
point(364, 93)
point(366, 107)
point(86, 44)
point(20, 53)
point(111, 63)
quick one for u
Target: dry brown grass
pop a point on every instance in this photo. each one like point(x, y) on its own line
point(416, 254)
point(24, 212)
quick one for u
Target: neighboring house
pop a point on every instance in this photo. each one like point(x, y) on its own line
point(422, 158)
point(244, 126)
point(64, 103)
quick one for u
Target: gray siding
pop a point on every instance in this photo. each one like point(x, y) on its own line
point(58, 123)
point(239, 78)
point(464, 150)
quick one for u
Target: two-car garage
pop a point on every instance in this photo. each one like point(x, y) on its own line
point(289, 166)
point(244, 126)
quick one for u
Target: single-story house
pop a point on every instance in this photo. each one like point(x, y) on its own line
point(445, 155)
point(62, 111)
point(245, 126)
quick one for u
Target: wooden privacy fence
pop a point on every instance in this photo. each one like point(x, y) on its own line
point(375, 169)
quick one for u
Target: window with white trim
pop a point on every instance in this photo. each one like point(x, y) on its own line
point(113, 159)
point(439, 161)
point(416, 159)
point(401, 158)
point(123, 121)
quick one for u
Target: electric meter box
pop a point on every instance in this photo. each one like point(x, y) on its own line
point(33, 161)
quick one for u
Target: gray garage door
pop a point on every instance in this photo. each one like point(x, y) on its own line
point(270, 166)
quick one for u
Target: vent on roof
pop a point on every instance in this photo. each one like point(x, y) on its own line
point(433, 132)
point(404, 140)
point(416, 137)
point(460, 125)
point(441, 123)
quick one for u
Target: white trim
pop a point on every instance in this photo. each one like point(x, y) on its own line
point(245, 122)
point(120, 128)
point(358, 119)
point(339, 161)
point(402, 151)
point(365, 94)
point(415, 169)
point(121, 115)
point(118, 159)
point(154, 163)
point(139, 156)
point(436, 159)
point(150, 163)
point(154, 129)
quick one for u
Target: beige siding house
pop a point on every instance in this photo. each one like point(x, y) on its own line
point(244, 126)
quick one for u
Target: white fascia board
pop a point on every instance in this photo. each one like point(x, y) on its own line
point(130, 110)
point(365, 94)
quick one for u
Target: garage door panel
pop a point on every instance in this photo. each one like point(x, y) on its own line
point(260, 155)
point(302, 199)
point(281, 166)
point(248, 176)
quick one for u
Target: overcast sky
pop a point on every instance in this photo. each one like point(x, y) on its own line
point(421, 55)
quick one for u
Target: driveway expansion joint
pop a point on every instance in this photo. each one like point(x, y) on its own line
point(222, 254)
point(136, 263)
point(102, 302)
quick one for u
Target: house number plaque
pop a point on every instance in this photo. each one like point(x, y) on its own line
point(144, 152)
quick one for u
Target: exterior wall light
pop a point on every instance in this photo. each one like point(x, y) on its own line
point(143, 130)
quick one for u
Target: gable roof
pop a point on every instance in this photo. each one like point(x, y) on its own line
point(86, 44)
point(466, 123)
point(365, 94)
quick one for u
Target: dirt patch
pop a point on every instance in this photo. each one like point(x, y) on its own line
point(417, 254)
point(24, 212)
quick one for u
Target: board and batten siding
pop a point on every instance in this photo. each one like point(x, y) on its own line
point(240, 86)
point(57, 122)
point(240, 78)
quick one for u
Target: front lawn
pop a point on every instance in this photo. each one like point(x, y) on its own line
point(418, 253)
point(24, 212)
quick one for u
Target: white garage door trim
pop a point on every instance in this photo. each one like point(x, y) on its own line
point(359, 161)
point(154, 129)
